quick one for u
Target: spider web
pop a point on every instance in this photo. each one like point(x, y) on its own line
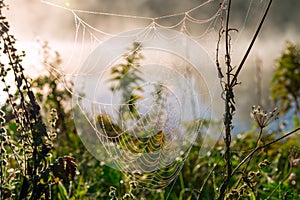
point(143, 90)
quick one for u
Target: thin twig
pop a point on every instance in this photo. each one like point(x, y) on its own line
point(221, 31)
point(229, 99)
point(279, 184)
point(228, 102)
point(207, 177)
point(261, 147)
point(247, 165)
point(234, 79)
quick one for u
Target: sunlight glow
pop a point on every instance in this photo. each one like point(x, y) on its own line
point(67, 4)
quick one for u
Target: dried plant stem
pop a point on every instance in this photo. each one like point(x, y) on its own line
point(230, 82)
point(261, 147)
point(249, 160)
point(228, 104)
point(234, 79)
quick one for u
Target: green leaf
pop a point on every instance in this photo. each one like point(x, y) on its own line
point(62, 191)
point(285, 83)
point(13, 127)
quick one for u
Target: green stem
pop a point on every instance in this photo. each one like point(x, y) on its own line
point(181, 181)
point(285, 178)
point(207, 177)
point(261, 147)
point(249, 160)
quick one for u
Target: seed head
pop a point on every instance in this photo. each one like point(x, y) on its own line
point(294, 157)
point(262, 117)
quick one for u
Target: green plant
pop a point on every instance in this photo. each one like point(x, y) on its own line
point(126, 78)
point(262, 118)
point(26, 142)
point(286, 80)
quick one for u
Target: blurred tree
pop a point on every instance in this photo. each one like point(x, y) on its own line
point(285, 84)
point(126, 78)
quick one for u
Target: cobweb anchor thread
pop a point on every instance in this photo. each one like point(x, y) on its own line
point(98, 110)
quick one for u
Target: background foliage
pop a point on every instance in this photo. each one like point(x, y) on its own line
point(286, 80)
point(39, 144)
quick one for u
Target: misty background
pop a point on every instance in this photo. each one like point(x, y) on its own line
point(32, 19)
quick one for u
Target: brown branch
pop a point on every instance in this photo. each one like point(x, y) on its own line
point(228, 105)
point(229, 99)
point(234, 80)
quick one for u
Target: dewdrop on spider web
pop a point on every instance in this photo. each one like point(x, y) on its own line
point(148, 133)
point(113, 137)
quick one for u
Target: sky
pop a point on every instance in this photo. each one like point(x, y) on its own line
point(33, 19)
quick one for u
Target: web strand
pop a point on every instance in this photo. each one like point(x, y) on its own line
point(151, 126)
